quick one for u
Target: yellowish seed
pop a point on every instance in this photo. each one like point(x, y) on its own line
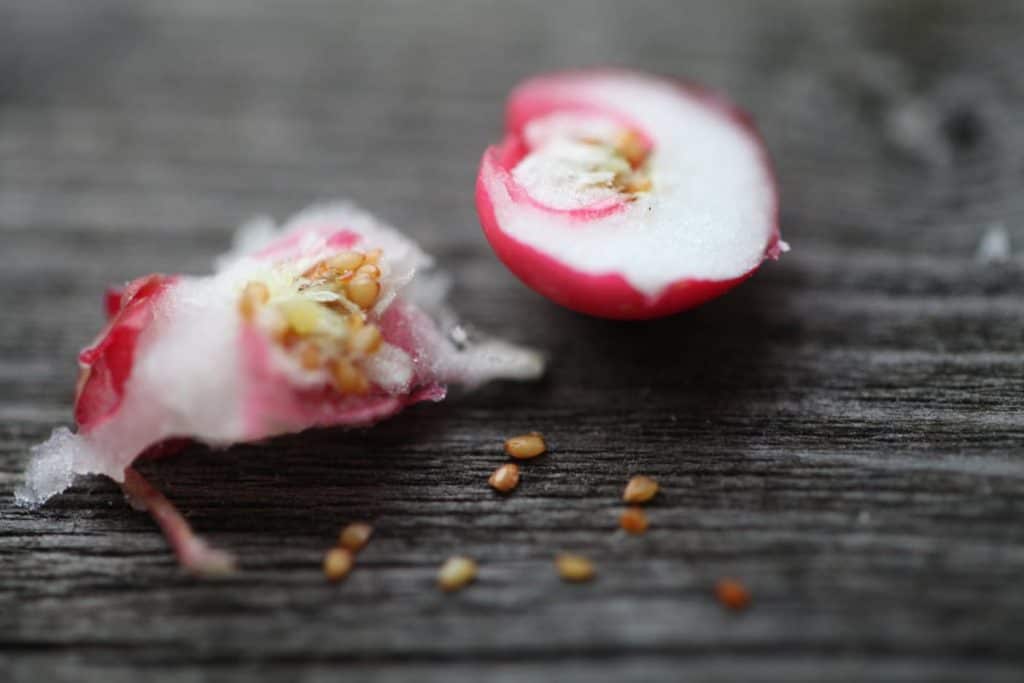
point(574, 567)
point(363, 291)
point(254, 295)
point(355, 536)
point(346, 261)
point(337, 564)
point(640, 489)
point(310, 357)
point(365, 340)
point(369, 270)
point(634, 520)
point(302, 315)
point(631, 147)
point(373, 256)
point(457, 572)
point(525, 446)
point(505, 478)
point(347, 378)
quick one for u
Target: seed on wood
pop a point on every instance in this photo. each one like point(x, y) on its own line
point(574, 567)
point(355, 536)
point(505, 478)
point(337, 564)
point(456, 573)
point(525, 446)
point(640, 489)
point(634, 520)
point(732, 594)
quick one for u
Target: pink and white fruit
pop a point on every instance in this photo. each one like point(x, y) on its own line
point(329, 321)
point(623, 195)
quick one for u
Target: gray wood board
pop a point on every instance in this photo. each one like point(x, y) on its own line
point(843, 432)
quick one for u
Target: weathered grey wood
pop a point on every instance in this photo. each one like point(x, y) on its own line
point(843, 433)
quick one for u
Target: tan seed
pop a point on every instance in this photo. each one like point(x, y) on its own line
point(346, 261)
point(640, 489)
point(355, 536)
point(574, 567)
point(365, 340)
point(337, 564)
point(631, 147)
point(363, 291)
point(310, 357)
point(369, 270)
point(505, 478)
point(255, 295)
point(732, 594)
point(347, 378)
point(525, 446)
point(456, 573)
point(634, 520)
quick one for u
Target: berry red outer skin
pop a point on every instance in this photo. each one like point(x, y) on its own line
point(606, 295)
point(107, 364)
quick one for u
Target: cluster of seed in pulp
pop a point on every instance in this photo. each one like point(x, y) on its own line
point(323, 323)
point(630, 148)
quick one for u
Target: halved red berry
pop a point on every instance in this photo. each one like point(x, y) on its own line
point(623, 195)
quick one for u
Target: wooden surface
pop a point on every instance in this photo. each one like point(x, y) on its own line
point(843, 433)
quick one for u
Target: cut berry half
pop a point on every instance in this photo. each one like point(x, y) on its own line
point(623, 195)
point(334, 320)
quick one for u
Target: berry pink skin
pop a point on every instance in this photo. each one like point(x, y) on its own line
point(607, 293)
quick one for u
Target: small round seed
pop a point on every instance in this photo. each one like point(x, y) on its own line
point(363, 291)
point(254, 295)
point(732, 594)
point(640, 489)
point(365, 340)
point(631, 147)
point(574, 567)
point(505, 478)
point(525, 446)
point(348, 379)
point(346, 260)
point(369, 270)
point(355, 536)
point(634, 520)
point(310, 357)
point(337, 564)
point(456, 573)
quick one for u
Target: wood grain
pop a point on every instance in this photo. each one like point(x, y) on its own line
point(843, 433)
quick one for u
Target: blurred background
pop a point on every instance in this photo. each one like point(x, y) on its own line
point(842, 432)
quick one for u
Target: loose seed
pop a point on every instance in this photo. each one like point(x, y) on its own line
point(347, 378)
point(640, 489)
point(456, 573)
point(634, 520)
point(354, 536)
point(525, 446)
point(363, 291)
point(365, 340)
point(505, 478)
point(732, 594)
point(254, 295)
point(337, 564)
point(574, 567)
point(346, 260)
